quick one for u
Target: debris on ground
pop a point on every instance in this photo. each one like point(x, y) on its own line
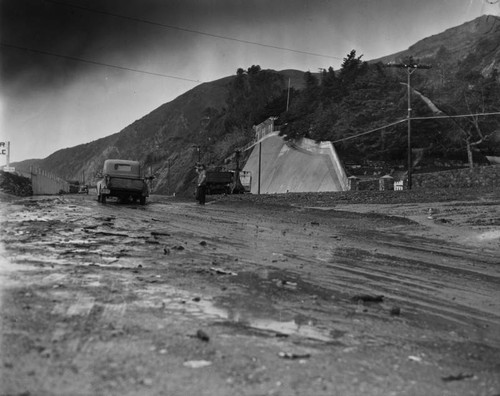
point(197, 363)
point(292, 355)
point(458, 377)
point(368, 298)
point(221, 271)
point(159, 233)
point(287, 284)
point(395, 311)
point(202, 336)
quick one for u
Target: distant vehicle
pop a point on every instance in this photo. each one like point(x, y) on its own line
point(83, 189)
point(219, 182)
point(122, 179)
point(224, 182)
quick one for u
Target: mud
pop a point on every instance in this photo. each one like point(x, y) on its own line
point(292, 296)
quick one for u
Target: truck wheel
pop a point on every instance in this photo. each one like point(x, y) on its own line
point(143, 200)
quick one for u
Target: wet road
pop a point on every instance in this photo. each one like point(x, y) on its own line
point(236, 298)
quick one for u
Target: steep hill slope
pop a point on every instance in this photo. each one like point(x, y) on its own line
point(481, 35)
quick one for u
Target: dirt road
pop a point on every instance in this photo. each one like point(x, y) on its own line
point(249, 297)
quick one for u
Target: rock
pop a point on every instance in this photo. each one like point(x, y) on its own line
point(202, 335)
point(458, 377)
point(221, 271)
point(292, 355)
point(395, 311)
point(368, 298)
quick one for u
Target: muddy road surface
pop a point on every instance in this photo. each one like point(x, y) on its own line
point(249, 297)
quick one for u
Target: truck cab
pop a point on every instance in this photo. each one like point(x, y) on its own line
point(122, 179)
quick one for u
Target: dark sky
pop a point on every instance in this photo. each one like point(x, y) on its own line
point(57, 92)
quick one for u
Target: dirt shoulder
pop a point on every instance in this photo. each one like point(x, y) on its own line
point(251, 295)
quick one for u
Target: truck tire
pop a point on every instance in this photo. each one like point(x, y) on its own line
point(142, 200)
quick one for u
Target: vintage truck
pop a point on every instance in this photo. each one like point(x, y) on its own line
point(122, 179)
point(225, 182)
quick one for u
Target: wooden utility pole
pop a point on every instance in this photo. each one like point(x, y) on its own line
point(410, 67)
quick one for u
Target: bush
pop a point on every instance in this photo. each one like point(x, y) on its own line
point(12, 183)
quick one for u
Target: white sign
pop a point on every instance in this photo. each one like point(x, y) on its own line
point(3, 149)
point(9, 169)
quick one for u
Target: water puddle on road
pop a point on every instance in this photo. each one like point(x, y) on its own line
point(242, 312)
point(489, 235)
point(248, 319)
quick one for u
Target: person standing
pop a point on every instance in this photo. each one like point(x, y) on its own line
point(201, 189)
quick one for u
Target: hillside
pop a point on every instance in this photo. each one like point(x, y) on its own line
point(457, 43)
point(213, 119)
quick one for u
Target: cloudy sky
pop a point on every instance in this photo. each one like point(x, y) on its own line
point(73, 71)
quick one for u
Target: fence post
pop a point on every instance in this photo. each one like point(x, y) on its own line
point(353, 183)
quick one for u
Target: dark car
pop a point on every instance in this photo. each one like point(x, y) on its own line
point(122, 179)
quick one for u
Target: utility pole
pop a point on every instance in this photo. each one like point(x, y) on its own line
point(288, 95)
point(260, 166)
point(410, 67)
point(168, 176)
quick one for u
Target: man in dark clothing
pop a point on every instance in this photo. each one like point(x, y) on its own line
point(201, 188)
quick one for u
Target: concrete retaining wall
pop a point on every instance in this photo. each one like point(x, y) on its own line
point(481, 176)
point(44, 183)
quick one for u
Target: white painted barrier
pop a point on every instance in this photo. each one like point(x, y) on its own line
point(45, 183)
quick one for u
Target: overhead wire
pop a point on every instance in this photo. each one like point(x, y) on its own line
point(415, 118)
point(73, 58)
point(173, 27)
point(141, 20)
point(368, 132)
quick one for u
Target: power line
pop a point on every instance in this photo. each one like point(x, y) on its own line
point(417, 118)
point(163, 25)
point(456, 116)
point(95, 62)
point(368, 132)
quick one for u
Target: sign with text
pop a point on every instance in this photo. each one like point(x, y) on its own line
point(3, 148)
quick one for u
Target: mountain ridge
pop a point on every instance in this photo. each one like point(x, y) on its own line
point(168, 140)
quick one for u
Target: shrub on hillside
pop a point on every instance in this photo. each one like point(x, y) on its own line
point(11, 183)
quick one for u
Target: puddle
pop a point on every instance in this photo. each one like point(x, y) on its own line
point(185, 303)
point(489, 235)
point(289, 328)
point(483, 237)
